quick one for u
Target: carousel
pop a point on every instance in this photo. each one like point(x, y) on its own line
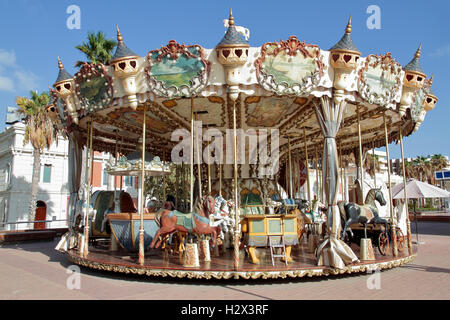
point(263, 132)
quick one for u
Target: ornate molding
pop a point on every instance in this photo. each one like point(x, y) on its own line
point(292, 49)
point(380, 80)
point(94, 89)
point(189, 59)
point(206, 274)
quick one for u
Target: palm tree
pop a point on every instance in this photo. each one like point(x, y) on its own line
point(438, 162)
point(423, 167)
point(40, 132)
point(97, 49)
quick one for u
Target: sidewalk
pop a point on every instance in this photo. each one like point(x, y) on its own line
point(37, 271)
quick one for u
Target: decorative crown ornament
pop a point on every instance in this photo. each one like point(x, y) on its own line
point(344, 58)
point(64, 87)
point(413, 80)
point(232, 53)
point(125, 64)
point(430, 99)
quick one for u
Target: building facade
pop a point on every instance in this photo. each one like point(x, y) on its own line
point(16, 170)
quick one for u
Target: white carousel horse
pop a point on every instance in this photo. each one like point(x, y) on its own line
point(244, 31)
point(224, 216)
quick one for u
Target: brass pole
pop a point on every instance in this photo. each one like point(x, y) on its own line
point(88, 196)
point(408, 223)
point(290, 169)
point(360, 154)
point(141, 207)
point(164, 176)
point(236, 199)
point(121, 177)
point(394, 235)
point(341, 175)
point(199, 166)
point(192, 156)
point(316, 167)
point(209, 167)
point(220, 178)
point(374, 166)
point(307, 165)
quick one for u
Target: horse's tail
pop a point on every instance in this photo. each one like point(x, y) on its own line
point(341, 206)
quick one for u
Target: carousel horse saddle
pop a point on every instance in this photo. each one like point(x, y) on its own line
point(187, 219)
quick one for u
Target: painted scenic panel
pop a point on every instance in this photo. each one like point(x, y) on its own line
point(176, 73)
point(94, 90)
point(287, 68)
point(379, 78)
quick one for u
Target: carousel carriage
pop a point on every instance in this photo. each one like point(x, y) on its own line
point(288, 98)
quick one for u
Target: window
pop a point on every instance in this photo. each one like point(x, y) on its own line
point(46, 177)
point(8, 174)
point(128, 181)
point(105, 178)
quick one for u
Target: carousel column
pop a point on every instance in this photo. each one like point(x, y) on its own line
point(112, 241)
point(307, 166)
point(141, 207)
point(391, 209)
point(236, 198)
point(332, 251)
point(360, 152)
point(88, 191)
point(291, 195)
point(374, 166)
point(408, 223)
point(191, 199)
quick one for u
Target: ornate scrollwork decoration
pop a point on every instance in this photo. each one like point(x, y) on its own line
point(93, 88)
point(305, 64)
point(177, 70)
point(380, 80)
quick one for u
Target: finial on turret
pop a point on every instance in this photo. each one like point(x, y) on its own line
point(348, 29)
point(60, 65)
point(231, 19)
point(417, 54)
point(119, 35)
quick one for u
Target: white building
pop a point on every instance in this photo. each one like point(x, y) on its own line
point(16, 170)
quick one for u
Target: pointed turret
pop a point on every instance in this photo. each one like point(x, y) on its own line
point(125, 64)
point(431, 99)
point(414, 75)
point(122, 51)
point(346, 42)
point(63, 74)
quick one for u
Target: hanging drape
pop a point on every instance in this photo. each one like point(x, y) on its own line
point(75, 166)
point(70, 239)
point(332, 251)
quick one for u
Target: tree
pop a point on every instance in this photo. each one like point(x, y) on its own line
point(97, 49)
point(438, 162)
point(423, 167)
point(39, 132)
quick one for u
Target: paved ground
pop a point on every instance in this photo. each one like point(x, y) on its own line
point(37, 271)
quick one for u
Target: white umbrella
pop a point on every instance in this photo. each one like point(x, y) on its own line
point(416, 189)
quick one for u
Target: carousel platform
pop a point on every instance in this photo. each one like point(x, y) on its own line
point(159, 264)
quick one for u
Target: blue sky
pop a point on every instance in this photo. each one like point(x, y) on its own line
point(33, 33)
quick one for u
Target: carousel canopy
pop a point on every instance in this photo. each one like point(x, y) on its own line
point(278, 85)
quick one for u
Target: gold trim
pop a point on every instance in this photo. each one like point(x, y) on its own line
point(276, 274)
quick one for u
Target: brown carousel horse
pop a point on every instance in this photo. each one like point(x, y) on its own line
point(195, 223)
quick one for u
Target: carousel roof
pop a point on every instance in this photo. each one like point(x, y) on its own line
point(232, 36)
point(346, 42)
point(63, 75)
point(414, 64)
point(279, 85)
point(122, 50)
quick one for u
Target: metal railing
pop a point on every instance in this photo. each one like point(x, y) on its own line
point(31, 223)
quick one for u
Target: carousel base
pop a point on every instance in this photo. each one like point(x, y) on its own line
point(159, 264)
